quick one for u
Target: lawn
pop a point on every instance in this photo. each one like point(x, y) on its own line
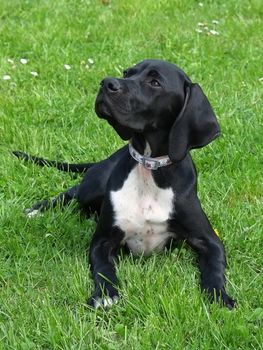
point(47, 109)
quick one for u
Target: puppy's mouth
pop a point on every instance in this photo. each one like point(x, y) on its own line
point(103, 111)
point(110, 105)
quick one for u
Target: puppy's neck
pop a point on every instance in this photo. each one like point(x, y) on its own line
point(154, 144)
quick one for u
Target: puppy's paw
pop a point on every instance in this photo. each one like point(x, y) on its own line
point(227, 301)
point(37, 209)
point(219, 295)
point(104, 303)
point(30, 213)
point(103, 300)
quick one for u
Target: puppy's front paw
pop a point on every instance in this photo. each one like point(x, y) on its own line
point(103, 299)
point(104, 303)
point(227, 301)
point(219, 295)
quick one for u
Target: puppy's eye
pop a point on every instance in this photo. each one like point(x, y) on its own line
point(155, 83)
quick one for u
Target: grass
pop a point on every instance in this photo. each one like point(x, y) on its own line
point(43, 272)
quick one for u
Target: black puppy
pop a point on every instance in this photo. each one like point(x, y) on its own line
point(145, 193)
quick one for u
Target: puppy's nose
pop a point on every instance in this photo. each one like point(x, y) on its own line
point(111, 84)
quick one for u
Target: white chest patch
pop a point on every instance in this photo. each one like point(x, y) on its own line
point(141, 210)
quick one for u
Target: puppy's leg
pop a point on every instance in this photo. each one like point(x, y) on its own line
point(212, 262)
point(88, 193)
point(103, 251)
point(62, 199)
point(210, 251)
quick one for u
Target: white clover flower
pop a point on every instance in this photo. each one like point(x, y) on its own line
point(10, 61)
point(213, 32)
point(90, 60)
point(199, 30)
point(261, 79)
point(23, 60)
point(215, 21)
point(48, 235)
point(200, 4)
point(6, 77)
point(67, 66)
point(35, 74)
point(200, 24)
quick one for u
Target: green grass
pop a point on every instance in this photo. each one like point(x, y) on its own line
point(43, 272)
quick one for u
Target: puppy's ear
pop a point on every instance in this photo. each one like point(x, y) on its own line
point(195, 126)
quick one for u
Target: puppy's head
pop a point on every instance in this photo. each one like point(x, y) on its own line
point(156, 95)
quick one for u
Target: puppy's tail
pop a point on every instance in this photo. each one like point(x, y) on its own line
point(73, 168)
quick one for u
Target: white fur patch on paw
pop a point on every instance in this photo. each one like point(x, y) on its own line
point(32, 213)
point(106, 302)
